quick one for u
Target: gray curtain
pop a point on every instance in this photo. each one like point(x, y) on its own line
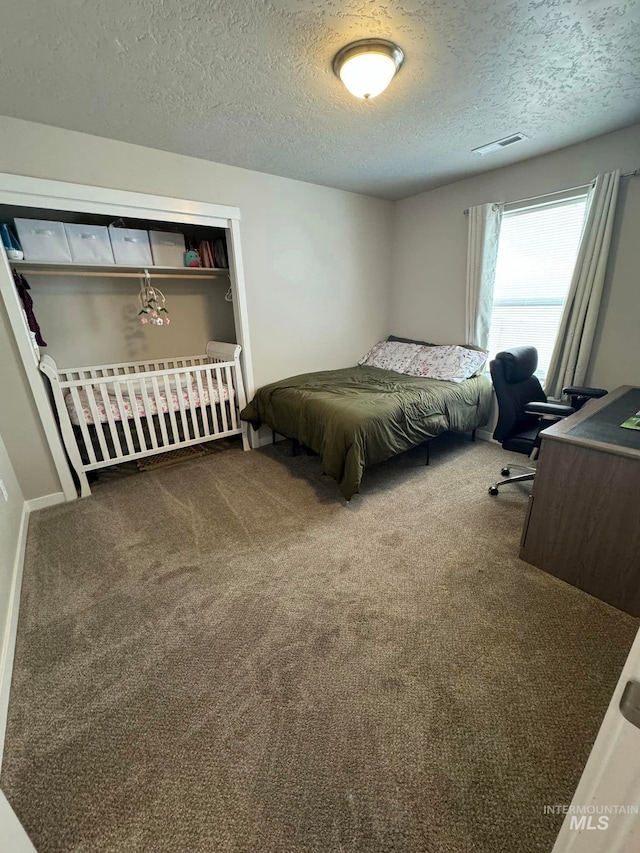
point(571, 353)
point(482, 254)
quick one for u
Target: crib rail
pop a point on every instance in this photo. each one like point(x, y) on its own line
point(126, 411)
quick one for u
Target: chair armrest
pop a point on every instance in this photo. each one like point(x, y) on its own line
point(554, 410)
point(583, 391)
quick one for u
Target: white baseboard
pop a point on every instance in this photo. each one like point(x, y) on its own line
point(9, 640)
point(46, 500)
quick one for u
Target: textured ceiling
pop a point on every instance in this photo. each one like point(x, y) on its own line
point(249, 82)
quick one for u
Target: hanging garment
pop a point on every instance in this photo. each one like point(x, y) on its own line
point(23, 288)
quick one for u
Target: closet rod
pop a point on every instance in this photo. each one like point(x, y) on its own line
point(110, 274)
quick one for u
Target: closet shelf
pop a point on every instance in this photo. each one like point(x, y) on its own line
point(115, 270)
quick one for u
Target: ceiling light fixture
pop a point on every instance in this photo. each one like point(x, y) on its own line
point(366, 67)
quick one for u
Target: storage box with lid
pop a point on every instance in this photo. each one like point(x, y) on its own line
point(89, 244)
point(167, 248)
point(130, 246)
point(43, 240)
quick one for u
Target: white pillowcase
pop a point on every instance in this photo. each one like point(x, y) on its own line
point(448, 363)
point(391, 355)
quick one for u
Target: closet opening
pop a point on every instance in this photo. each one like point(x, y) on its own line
point(136, 328)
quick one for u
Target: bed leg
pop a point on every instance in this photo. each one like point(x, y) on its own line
point(473, 435)
point(273, 436)
point(295, 444)
point(427, 459)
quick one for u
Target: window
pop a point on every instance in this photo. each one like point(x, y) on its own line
point(536, 257)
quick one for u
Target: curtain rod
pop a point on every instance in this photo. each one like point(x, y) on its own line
point(634, 174)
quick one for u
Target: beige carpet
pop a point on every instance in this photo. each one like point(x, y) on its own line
point(222, 656)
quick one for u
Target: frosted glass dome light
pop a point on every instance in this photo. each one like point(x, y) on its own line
point(366, 67)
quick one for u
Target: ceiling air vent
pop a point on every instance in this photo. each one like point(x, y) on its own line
point(483, 150)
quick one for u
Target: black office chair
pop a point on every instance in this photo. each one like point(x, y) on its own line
point(523, 409)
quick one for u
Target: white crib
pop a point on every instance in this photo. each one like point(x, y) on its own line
point(112, 413)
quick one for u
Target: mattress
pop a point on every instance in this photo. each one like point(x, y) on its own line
point(168, 401)
point(358, 416)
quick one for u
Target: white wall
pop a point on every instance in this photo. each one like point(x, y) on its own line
point(430, 250)
point(317, 260)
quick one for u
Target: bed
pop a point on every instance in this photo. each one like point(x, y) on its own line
point(115, 413)
point(361, 415)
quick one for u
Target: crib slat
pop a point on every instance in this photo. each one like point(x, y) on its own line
point(212, 402)
point(97, 422)
point(157, 396)
point(223, 408)
point(115, 438)
point(148, 413)
point(206, 418)
point(183, 414)
point(192, 406)
point(232, 397)
point(124, 420)
point(174, 438)
point(133, 402)
point(75, 396)
point(112, 443)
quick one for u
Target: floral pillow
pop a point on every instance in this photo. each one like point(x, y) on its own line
point(391, 355)
point(448, 363)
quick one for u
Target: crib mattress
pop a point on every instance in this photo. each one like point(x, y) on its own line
point(168, 402)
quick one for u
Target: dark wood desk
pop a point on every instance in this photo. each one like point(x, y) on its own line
point(583, 519)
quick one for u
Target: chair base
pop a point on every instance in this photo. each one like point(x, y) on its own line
point(517, 478)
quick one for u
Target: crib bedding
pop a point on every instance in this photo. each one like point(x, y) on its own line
point(361, 415)
point(168, 402)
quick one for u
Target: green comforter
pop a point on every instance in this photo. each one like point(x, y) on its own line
point(361, 415)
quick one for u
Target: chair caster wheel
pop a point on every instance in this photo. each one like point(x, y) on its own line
point(506, 472)
point(493, 490)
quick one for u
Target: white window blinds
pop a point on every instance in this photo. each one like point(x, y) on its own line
point(536, 257)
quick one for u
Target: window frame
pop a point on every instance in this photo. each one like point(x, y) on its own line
point(529, 206)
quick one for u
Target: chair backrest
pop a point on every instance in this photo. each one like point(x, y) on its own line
point(512, 374)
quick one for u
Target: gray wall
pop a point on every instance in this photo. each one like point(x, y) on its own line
point(10, 520)
point(317, 261)
point(10, 515)
point(95, 320)
point(321, 285)
point(428, 299)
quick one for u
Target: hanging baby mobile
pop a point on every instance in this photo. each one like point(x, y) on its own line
point(152, 304)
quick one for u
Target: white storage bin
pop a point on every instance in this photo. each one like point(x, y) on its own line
point(43, 240)
point(130, 246)
point(167, 248)
point(89, 244)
